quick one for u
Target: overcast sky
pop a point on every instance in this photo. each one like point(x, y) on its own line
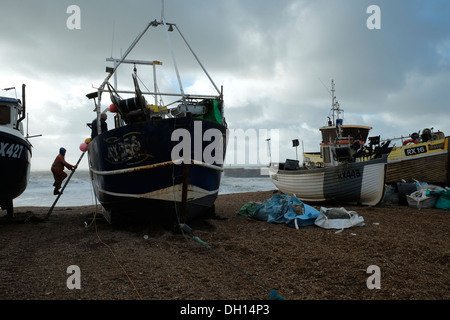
point(274, 58)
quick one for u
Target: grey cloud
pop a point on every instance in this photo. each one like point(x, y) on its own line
point(271, 55)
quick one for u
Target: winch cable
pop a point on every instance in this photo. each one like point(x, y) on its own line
point(273, 295)
point(110, 249)
point(117, 260)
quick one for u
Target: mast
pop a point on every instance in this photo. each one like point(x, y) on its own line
point(118, 62)
point(102, 86)
point(336, 111)
point(332, 102)
point(23, 104)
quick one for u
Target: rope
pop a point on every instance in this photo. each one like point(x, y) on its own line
point(273, 295)
point(110, 249)
point(117, 260)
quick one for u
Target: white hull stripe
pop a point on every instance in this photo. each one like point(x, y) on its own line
point(173, 193)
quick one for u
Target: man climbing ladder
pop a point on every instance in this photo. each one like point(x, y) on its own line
point(73, 168)
point(58, 170)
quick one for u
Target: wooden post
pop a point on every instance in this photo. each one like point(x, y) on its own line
point(184, 192)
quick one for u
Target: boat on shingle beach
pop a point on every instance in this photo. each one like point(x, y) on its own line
point(15, 151)
point(422, 156)
point(346, 169)
point(162, 161)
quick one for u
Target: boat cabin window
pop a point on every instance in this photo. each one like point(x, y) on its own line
point(5, 115)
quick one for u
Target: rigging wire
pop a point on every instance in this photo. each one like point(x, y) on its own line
point(326, 87)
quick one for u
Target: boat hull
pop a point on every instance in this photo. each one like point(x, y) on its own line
point(426, 161)
point(356, 182)
point(136, 178)
point(15, 157)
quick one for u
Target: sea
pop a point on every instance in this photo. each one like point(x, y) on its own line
point(79, 191)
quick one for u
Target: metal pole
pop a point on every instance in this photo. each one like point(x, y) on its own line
point(154, 84)
point(65, 184)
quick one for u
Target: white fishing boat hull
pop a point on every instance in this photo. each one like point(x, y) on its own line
point(356, 182)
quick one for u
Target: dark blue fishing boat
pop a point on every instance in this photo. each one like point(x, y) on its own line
point(158, 163)
point(15, 152)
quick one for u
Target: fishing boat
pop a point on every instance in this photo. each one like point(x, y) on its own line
point(161, 161)
point(15, 151)
point(346, 169)
point(421, 156)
